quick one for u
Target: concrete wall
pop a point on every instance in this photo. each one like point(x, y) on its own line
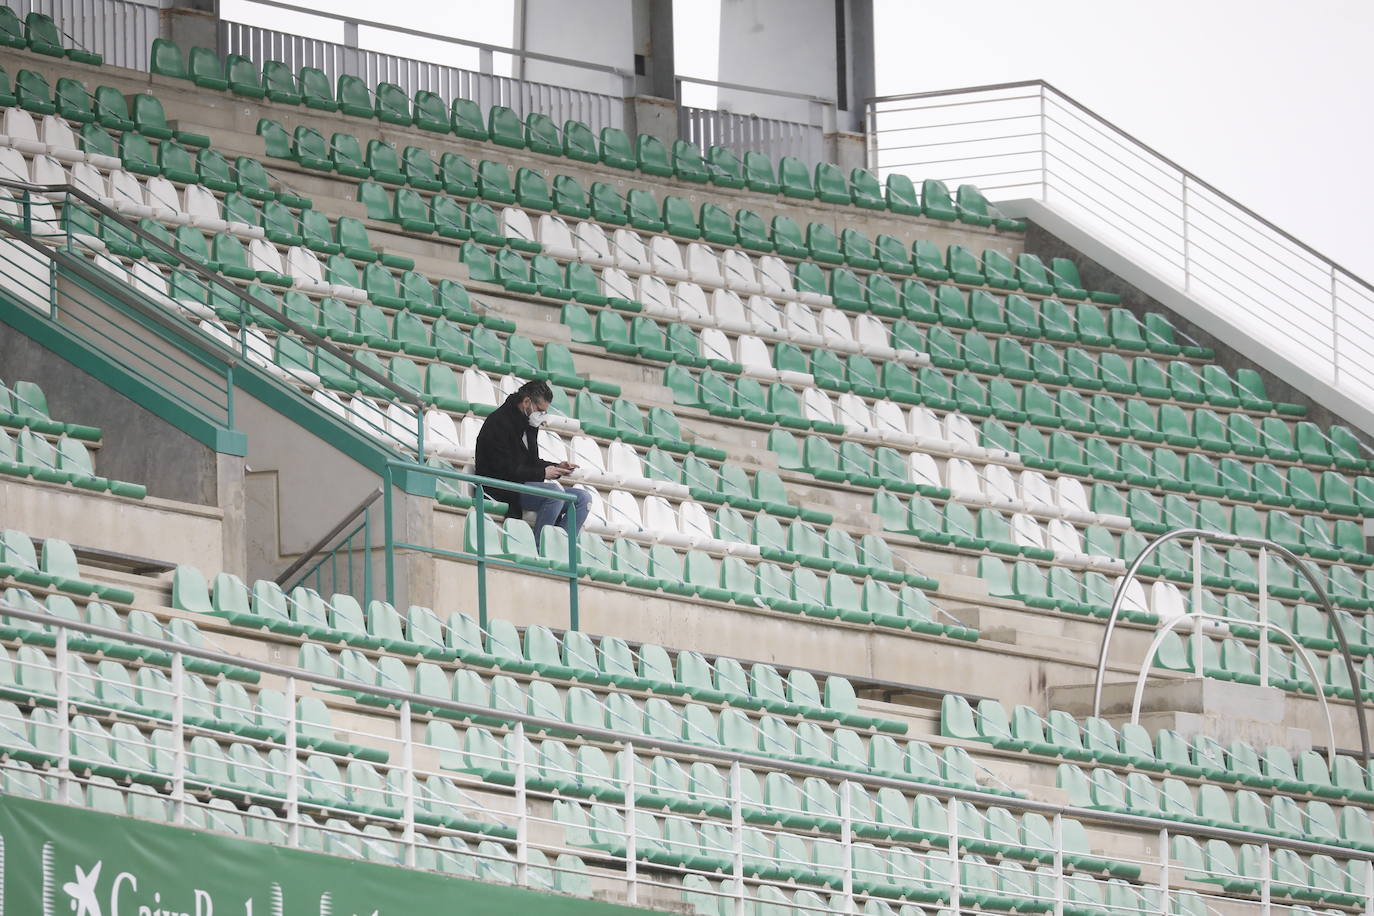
point(777, 44)
point(138, 445)
point(301, 487)
point(597, 31)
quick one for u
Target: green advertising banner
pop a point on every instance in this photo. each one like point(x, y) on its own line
point(56, 860)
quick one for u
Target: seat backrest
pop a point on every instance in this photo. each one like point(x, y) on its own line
point(727, 309)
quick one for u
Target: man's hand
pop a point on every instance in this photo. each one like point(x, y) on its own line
point(555, 471)
point(567, 465)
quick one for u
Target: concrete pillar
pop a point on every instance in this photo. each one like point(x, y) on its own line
point(230, 474)
point(191, 24)
point(858, 66)
point(653, 116)
point(654, 62)
point(847, 150)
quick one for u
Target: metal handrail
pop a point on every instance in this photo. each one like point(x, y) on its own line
point(1183, 230)
point(320, 13)
point(1192, 176)
point(68, 264)
point(480, 485)
point(781, 93)
point(1199, 534)
point(537, 724)
point(318, 547)
point(1196, 620)
point(248, 305)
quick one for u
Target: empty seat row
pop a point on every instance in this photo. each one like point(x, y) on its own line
point(1199, 757)
point(574, 656)
point(693, 572)
point(538, 133)
point(40, 34)
point(1213, 805)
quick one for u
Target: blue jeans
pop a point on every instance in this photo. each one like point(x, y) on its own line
point(549, 510)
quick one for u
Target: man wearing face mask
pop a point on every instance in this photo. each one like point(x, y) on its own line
point(508, 449)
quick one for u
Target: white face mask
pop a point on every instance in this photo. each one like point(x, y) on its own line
point(536, 418)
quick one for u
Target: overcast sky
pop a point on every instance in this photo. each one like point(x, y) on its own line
point(1269, 100)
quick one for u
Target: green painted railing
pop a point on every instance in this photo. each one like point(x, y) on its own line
point(76, 307)
point(346, 566)
point(483, 554)
point(180, 346)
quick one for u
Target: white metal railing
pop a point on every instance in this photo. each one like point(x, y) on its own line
point(303, 781)
point(483, 86)
point(121, 31)
point(1029, 140)
point(1196, 619)
point(742, 132)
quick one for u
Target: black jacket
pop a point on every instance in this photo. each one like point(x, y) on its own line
point(508, 449)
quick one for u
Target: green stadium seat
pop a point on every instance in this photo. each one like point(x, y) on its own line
point(652, 156)
point(999, 270)
point(354, 97)
point(642, 209)
point(830, 184)
point(466, 120)
point(12, 30)
point(418, 169)
point(964, 266)
point(504, 127)
point(279, 82)
point(724, 168)
point(33, 94)
point(244, 78)
point(315, 89)
point(541, 135)
point(428, 112)
point(759, 174)
point(936, 202)
point(42, 36)
point(204, 68)
point(900, 195)
point(165, 57)
point(616, 149)
point(795, 179)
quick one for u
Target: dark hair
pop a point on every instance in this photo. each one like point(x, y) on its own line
point(536, 391)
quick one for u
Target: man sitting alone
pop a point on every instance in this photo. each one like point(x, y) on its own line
point(508, 449)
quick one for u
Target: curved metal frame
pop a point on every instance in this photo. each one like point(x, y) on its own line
point(1202, 534)
point(1196, 619)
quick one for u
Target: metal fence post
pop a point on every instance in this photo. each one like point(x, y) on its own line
point(352, 55)
point(367, 557)
point(847, 841)
point(1264, 615)
point(1059, 889)
point(522, 824)
point(64, 712)
point(631, 853)
point(737, 835)
point(1164, 908)
point(1199, 640)
point(293, 812)
point(178, 738)
point(1335, 330)
point(1187, 240)
point(389, 534)
point(408, 780)
point(480, 503)
point(573, 610)
point(1044, 150)
point(1266, 879)
point(955, 879)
